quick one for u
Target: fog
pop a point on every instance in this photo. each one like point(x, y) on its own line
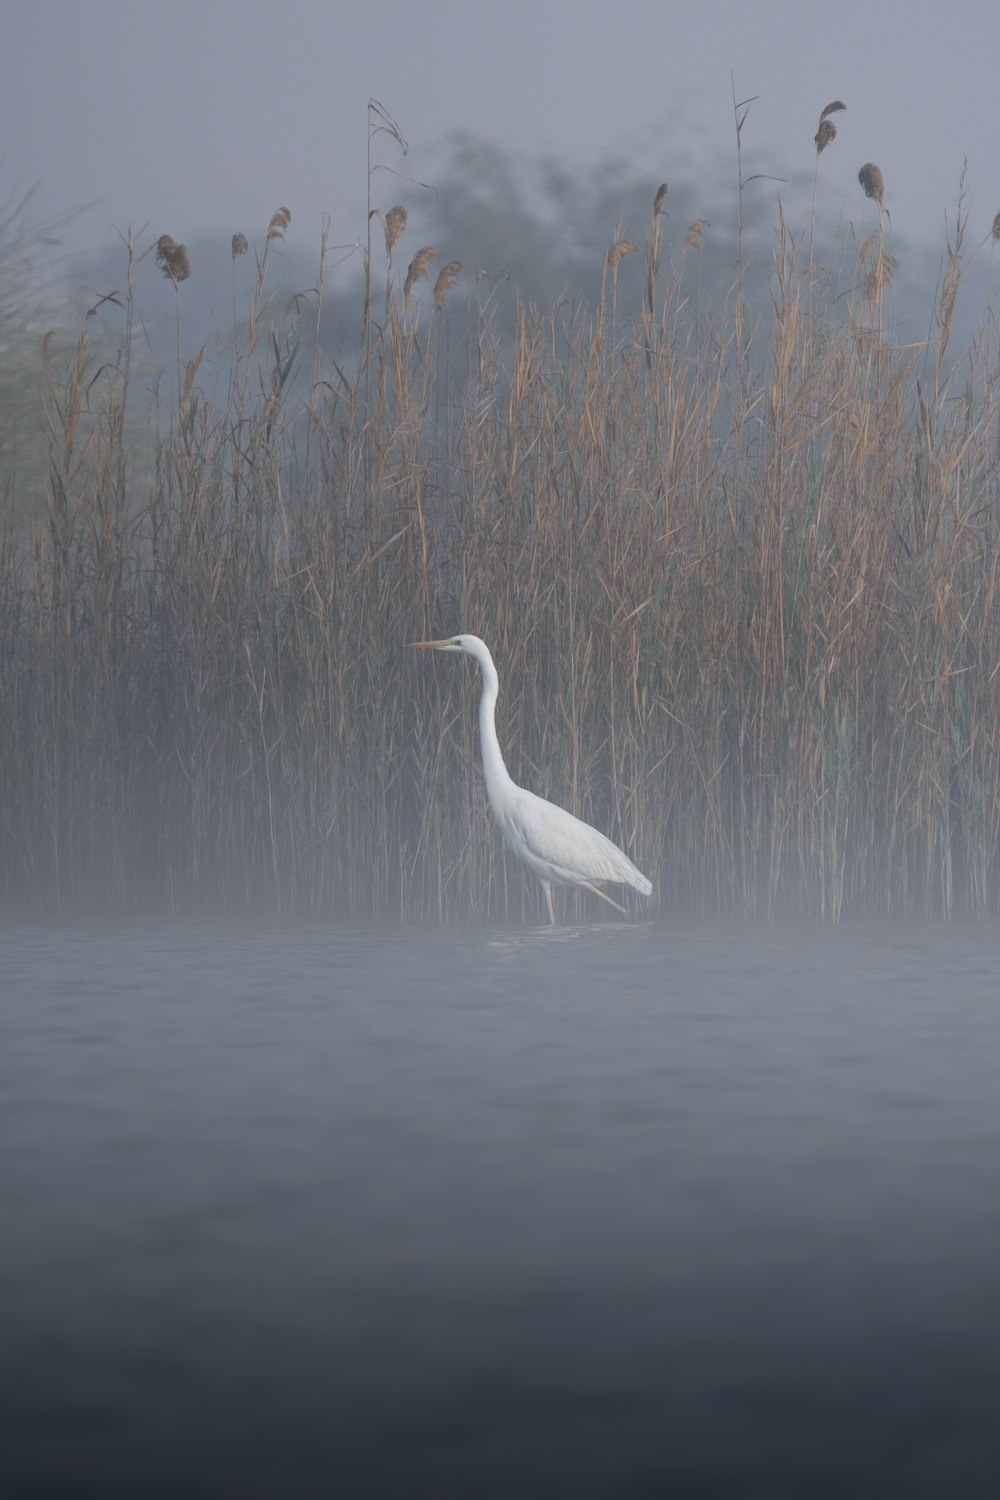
point(525, 227)
point(536, 134)
point(215, 119)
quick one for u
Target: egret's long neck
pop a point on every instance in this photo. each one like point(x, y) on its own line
point(497, 775)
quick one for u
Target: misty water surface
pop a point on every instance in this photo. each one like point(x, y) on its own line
point(607, 1211)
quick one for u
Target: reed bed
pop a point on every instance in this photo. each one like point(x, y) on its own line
point(738, 569)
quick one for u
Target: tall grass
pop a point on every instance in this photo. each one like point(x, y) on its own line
point(738, 571)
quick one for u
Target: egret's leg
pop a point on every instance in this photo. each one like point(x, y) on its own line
point(589, 887)
point(547, 888)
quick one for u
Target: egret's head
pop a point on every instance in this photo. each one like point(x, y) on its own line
point(466, 643)
point(453, 643)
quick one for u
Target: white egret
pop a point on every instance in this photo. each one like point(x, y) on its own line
point(555, 846)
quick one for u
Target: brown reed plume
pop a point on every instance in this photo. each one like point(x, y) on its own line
point(280, 220)
point(695, 233)
point(826, 133)
point(827, 130)
point(418, 268)
point(617, 253)
point(172, 259)
point(240, 245)
point(393, 223)
point(871, 180)
point(660, 201)
point(447, 278)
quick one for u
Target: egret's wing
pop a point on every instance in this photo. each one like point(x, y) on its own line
point(575, 851)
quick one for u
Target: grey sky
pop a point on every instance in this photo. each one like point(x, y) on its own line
point(208, 115)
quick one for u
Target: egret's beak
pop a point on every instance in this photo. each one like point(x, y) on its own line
point(429, 645)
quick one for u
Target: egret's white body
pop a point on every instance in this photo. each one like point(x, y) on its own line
point(555, 846)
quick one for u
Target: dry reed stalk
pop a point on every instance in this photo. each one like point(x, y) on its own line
point(949, 293)
point(878, 275)
point(173, 261)
point(191, 374)
point(992, 319)
point(617, 252)
point(247, 358)
point(877, 266)
point(654, 246)
point(826, 132)
point(239, 246)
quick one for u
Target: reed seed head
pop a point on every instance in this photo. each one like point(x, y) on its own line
point(240, 246)
point(395, 223)
point(618, 252)
point(871, 180)
point(418, 267)
point(660, 201)
point(831, 109)
point(280, 220)
point(172, 259)
point(826, 133)
point(695, 232)
point(996, 227)
point(447, 277)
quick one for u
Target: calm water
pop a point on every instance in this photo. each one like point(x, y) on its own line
point(610, 1211)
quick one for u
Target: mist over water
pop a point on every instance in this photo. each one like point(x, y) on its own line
point(602, 1211)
